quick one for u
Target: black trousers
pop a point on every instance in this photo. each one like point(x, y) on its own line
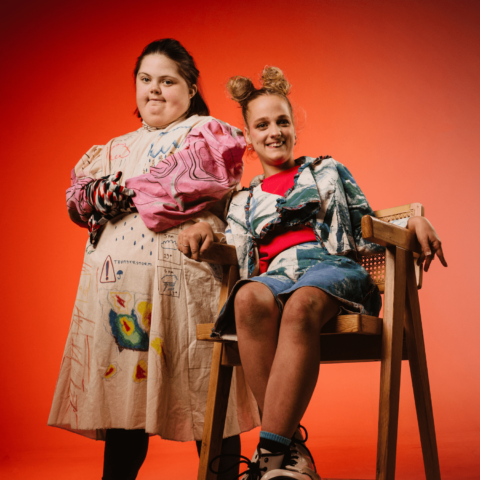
point(126, 450)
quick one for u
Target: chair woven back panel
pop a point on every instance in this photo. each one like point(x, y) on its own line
point(375, 264)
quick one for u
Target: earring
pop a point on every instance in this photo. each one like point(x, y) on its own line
point(250, 147)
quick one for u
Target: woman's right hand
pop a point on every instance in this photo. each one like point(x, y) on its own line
point(104, 194)
point(195, 240)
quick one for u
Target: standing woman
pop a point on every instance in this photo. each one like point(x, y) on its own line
point(132, 366)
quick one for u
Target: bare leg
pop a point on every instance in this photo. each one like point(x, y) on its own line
point(294, 372)
point(257, 318)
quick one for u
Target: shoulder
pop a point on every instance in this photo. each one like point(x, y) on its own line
point(214, 126)
point(323, 168)
point(127, 136)
point(236, 209)
point(318, 163)
point(239, 199)
point(328, 166)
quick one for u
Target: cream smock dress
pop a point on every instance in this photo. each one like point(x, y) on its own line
point(132, 360)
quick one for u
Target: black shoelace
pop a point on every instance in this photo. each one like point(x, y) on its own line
point(254, 471)
point(294, 454)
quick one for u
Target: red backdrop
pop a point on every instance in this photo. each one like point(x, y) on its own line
point(391, 89)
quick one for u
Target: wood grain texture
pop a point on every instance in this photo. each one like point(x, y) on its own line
point(419, 373)
point(387, 212)
point(215, 413)
point(221, 254)
point(354, 323)
point(387, 234)
point(392, 343)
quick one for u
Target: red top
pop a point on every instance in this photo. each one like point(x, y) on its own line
point(280, 239)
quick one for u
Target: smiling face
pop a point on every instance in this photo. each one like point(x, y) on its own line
point(271, 131)
point(163, 95)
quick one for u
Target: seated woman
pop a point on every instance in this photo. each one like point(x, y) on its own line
point(297, 233)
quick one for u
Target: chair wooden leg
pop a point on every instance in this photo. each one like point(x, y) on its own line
point(418, 369)
point(392, 343)
point(215, 414)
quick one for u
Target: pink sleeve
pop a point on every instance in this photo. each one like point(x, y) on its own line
point(77, 206)
point(189, 181)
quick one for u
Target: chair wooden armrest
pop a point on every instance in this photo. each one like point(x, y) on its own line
point(221, 254)
point(388, 235)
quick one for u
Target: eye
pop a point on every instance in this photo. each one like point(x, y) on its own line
point(167, 82)
point(262, 125)
point(144, 79)
point(284, 122)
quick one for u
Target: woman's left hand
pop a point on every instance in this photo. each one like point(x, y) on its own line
point(429, 241)
point(195, 240)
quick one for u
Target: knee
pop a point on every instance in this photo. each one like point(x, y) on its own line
point(307, 311)
point(255, 307)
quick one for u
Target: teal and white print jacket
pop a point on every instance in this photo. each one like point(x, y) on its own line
point(325, 196)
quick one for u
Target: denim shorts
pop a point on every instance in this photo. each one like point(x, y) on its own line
point(310, 265)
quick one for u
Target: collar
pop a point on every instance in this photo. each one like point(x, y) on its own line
point(304, 161)
point(149, 128)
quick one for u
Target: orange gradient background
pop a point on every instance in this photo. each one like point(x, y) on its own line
point(389, 88)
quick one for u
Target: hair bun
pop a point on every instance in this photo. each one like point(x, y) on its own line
point(274, 81)
point(240, 88)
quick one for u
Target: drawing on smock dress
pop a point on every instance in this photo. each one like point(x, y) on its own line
point(132, 360)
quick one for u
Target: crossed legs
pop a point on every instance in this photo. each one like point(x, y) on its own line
point(281, 355)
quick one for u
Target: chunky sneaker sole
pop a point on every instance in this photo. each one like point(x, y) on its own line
point(281, 474)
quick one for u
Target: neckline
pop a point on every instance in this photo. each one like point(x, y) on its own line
point(149, 128)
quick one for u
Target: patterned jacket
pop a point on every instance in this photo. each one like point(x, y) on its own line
point(325, 196)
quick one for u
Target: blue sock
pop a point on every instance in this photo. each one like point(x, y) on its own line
point(274, 443)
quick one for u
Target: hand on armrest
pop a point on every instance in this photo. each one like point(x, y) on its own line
point(428, 239)
point(196, 240)
point(419, 237)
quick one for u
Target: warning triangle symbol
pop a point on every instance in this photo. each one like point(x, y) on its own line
point(108, 272)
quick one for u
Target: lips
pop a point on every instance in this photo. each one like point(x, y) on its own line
point(276, 144)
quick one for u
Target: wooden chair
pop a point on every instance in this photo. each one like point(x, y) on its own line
point(350, 338)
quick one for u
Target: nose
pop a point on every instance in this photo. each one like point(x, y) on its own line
point(155, 88)
point(275, 131)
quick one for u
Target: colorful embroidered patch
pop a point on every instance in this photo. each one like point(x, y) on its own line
point(130, 317)
point(141, 371)
point(158, 345)
point(127, 331)
point(111, 371)
point(145, 310)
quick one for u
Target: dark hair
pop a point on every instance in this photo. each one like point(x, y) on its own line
point(242, 90)
point(175, 51)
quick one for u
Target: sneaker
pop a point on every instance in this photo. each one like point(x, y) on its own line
point(262, 462)
point(298, 463)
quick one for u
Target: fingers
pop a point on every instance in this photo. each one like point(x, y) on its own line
point(195, 240)
point(421, 259)
point(190, 247)
point(117, 193)
point(115, 177)
point(429, 241)
point(439, 254)
point(183, 245)
point(207, 241)
point(428, 261)
point(128, 192)
point(426, 251)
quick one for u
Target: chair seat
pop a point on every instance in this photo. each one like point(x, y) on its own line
point(354, 323)
point(345, 338)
